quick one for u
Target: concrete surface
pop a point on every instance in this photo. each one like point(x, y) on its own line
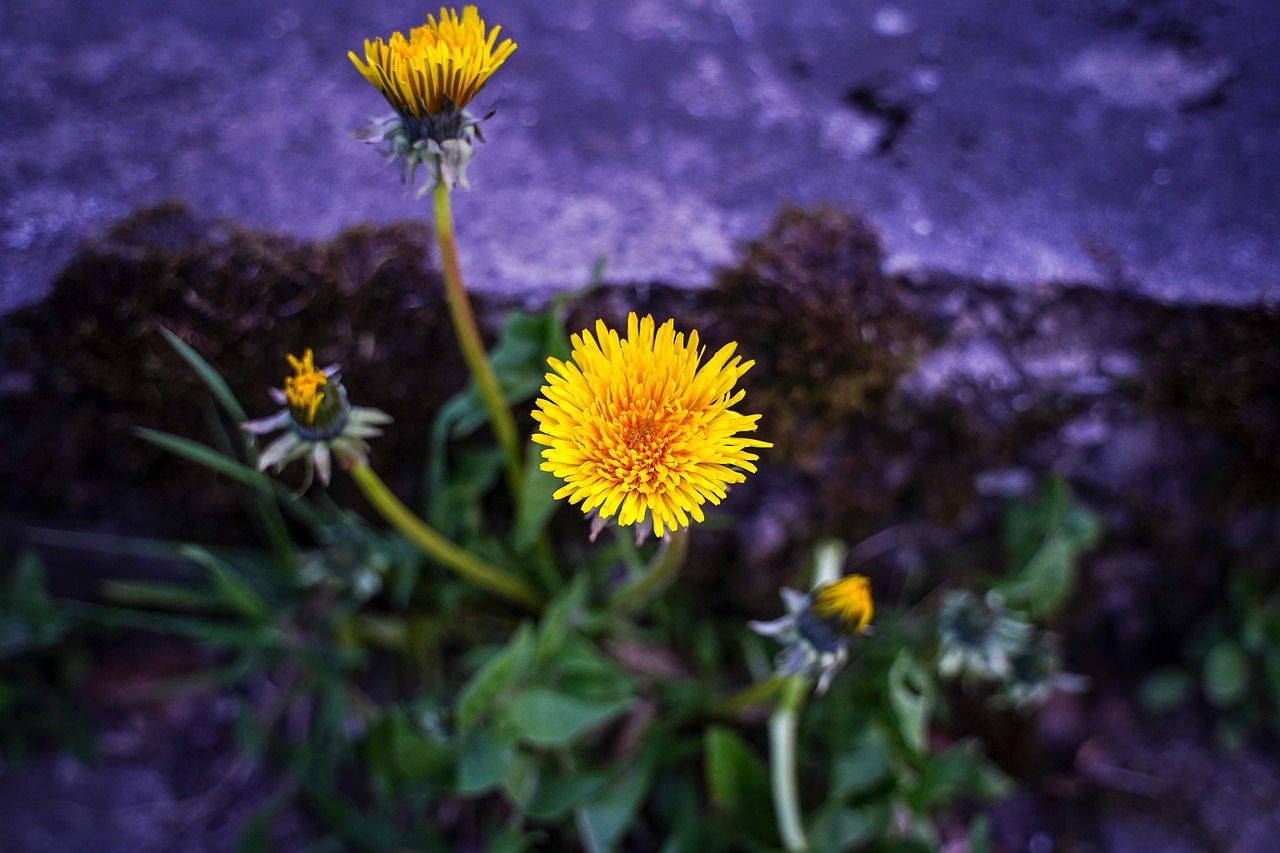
point(1125, 143)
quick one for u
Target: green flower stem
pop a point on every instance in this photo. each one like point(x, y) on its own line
point(473, 352)
point(663, 568)
point(439, 548)
point(753, 695)
point(782, 763)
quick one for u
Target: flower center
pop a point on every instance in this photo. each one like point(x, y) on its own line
point(639, 433)
point(302, 390)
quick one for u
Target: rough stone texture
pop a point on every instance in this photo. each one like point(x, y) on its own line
point(1126, 143)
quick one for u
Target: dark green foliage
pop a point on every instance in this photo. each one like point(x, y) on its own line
point(42, 667)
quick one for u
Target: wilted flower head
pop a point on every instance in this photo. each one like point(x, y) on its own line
point(429, 78)
point(318, 419)
point(977, 638)
point(636, 428)
point(818, 627)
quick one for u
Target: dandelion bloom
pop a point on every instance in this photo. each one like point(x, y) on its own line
point(317, 420)
point(634, 426)
point(439, 68)
point(848, 600)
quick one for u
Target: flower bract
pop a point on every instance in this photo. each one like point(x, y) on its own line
point(637, 428)
point(318, 421)
point(429, 78)
point(817, 628)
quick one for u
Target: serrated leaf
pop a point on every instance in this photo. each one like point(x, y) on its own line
point(547, 718)
point(481, 693)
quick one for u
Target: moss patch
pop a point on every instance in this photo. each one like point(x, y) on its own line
point(88, 365)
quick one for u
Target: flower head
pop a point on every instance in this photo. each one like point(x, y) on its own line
point(318, 419)
point(429, 78)
point(978, 637)
point(848, 600)
point(817, 628)
point(635, 428)
point(441, 66)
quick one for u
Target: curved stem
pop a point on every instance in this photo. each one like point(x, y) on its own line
point(473, 352)
point(782, 763)
point(664, 567)
point(439, 548)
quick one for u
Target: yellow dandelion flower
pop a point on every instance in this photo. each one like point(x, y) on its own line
point(634, 426)
point(317, 424)
point(302, 390)
point(439, 68)
point(848, 599)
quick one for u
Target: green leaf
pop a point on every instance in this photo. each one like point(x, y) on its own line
point(911, 695)
point(519, 362)
point(960, 771)
point(557, 795)
point(481, 693)
point(1165, 689)
point(214, 461)
point(536, 504)
point(838, 829)
point(548, 718)
point(233, 589)
point(1226, 674)
point(559, 619)
point(29, 616)
point(217, 385)
point(419, 756)
point(214, 633)
point(1046, 581)
point(163, 596)
point(1082, 527)
point(255, 835)
point(735, 775)
point(1045, 539)
point(862, 770)
point(510, 840)
point(483, 761)
point(607, 817)
point(980, 834)
point(520, 780)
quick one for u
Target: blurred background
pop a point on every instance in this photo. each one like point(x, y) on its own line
point(972, 245)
